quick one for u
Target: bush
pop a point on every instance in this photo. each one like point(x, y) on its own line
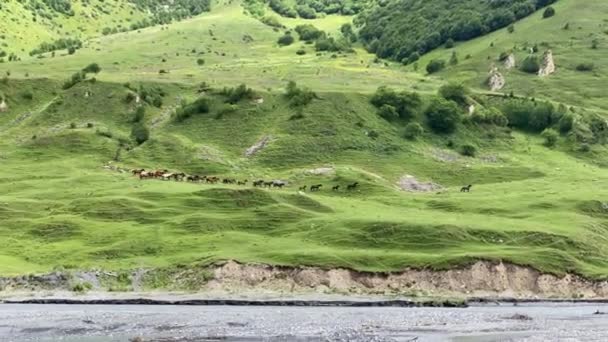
point(200, 61)
point(286, 39)
point(443, 116)
point(26, 95)
point(413, 130)
point(234, 95)
point(530, 64)
point(298, 97)
point(139, 114)
point(72, 125)
point(585, 67)
point(550, 135)
point(406, 104)
point(301, 52)
point(449, 43)
point(529, 115)
point(90, 125)
point(200, 106)
point(71, 50)
point(140, 133)
point(435, 65)
point(92, 68)
point(566, 123)
point(468, 150)
point(130, 97)
point(388, 112)
point(309, 33)
point(454, 92)
point(549, 12)
point(157, 101)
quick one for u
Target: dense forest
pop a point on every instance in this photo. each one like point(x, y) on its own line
point(402, 30)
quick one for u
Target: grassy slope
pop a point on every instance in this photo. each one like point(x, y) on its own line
point(60, 208)
point(22, 33)
point(570, 48)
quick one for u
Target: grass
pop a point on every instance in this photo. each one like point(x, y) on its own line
point(61, 208)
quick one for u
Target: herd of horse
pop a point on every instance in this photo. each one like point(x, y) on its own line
point(180, 176)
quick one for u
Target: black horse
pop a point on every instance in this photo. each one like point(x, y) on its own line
point(258, 183)
point(302, 188)
point(316, 187)
point(335, 188)
point(466, 188)
point(352, 186)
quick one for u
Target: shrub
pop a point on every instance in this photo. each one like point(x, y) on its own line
point(75, 79)
point(71, 50)
point(27, 95)
point(550, 135)
point(82, 287)
point(139, 114)
point(140, 133)
point(308, 32)
point(585, 67)
point(200, 61)
point(413, 130)
point(584, 148)
point(92, 68)
point(530, 64)
point(435, 65)
point(449, 43)
point(301, 52)
point(157, 101)
point(529, 115)
point(72, 125)
point(130, 97)
point(186, 110)
point(90, 125)
point(234, 95)
point(298, 97)
point(286, 39)
point(468, 150)
point(511, 28)
point(454, 58)
point(443, 116)
point(455, 92)
point(406, 104)
point(549, 12)
point(566, 123)
point(388, 112)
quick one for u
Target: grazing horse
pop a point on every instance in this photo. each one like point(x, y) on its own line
point(137, 171)
point(466, 188)
point(315, 187)
point(302, 188)
point(167, 176)
point(212, 180)
point(179, 176)
point(268, 184)
point(242, 183)
point(258, 183)
point(352, 186)
point(335, 188)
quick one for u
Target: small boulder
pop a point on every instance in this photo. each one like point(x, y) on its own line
point(509, 62)
point(496, 80)
point(3, 106)
point(547, 66)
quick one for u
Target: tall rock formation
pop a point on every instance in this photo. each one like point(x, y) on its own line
point(547, 66)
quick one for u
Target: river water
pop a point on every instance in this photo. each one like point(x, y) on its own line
point(102, 323)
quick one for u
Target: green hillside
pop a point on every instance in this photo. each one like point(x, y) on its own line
point(68, 143)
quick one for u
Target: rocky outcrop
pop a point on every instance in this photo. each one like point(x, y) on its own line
point(547, 66)
point(411, 184)
point(496, 80)
point(258, 146)
point(509, 62)
point(3, 106)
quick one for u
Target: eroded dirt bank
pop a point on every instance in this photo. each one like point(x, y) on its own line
point(480, 280)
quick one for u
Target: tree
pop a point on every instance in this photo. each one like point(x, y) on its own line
point(406, 104)
point(443, 115)
point(140, 133)
point(200, 61)
point(92, 68)
point(286, 39)
point(468, 150)
point(456, 92)
point(549, 12)
point(435, 65)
